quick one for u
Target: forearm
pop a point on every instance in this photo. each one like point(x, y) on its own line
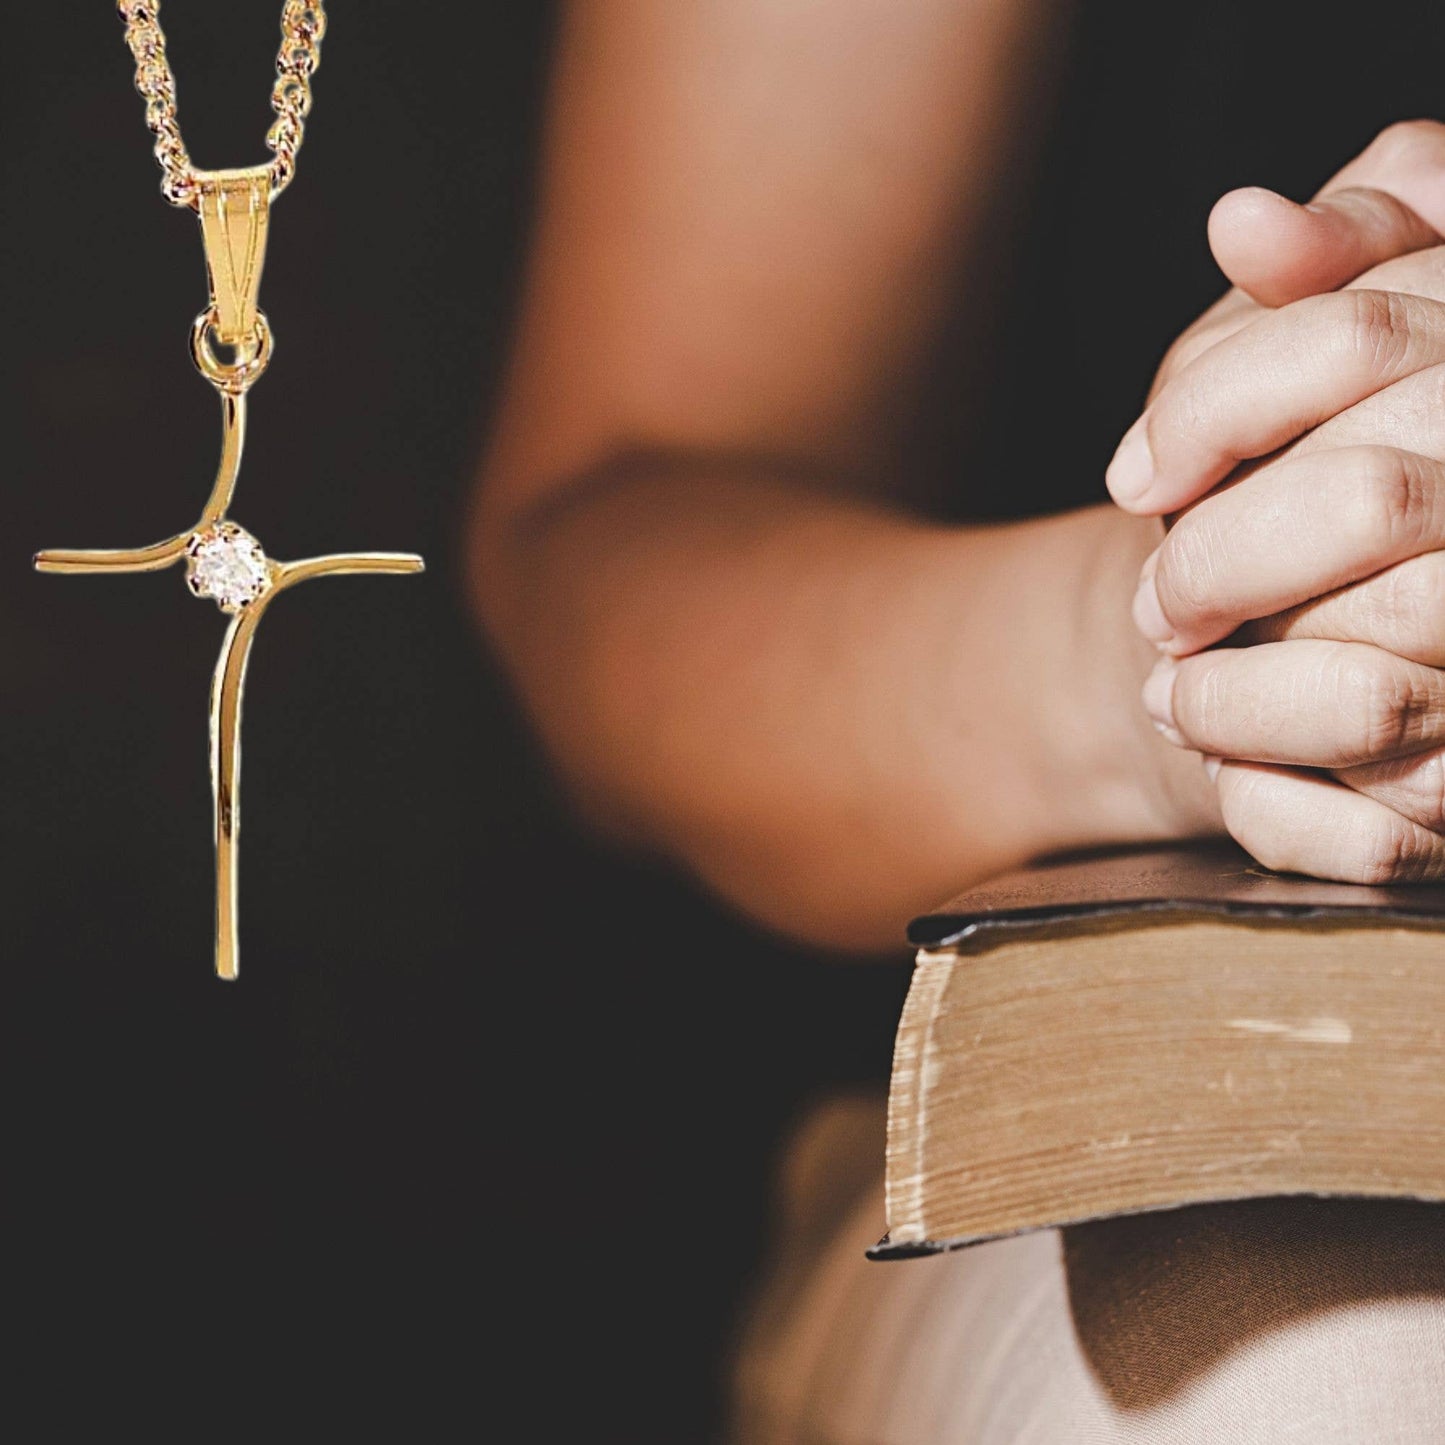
point(833, 713)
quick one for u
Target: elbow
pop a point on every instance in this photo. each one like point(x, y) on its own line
point(610, 642)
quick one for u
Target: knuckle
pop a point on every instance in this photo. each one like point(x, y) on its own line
point(1398, 498)
point(1378, 329)
point(1426, 787)
point(1413, 787)
point(1390, 707)
point(1391, 852)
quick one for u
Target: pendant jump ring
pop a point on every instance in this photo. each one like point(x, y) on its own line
point(253, 356)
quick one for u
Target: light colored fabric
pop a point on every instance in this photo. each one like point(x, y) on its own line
point(1266, 1322)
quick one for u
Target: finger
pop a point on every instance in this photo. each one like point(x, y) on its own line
point(1421, 273)
point(1305, 703)
point(1401, 610)
point(1414, 787)
point(1276, 251)
point(1410, 415)
point(1416, 271)
point(1389, 195)
point(1407, 160)
point(1291, 531)
point(1300, 822)
point(1270, 383)
point(1233, 311)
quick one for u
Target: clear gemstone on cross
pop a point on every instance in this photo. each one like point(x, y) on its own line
point(226, 563)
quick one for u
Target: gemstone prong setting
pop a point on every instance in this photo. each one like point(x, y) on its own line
point(226, 564)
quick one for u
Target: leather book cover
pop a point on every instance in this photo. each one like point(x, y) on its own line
point(1216, 878)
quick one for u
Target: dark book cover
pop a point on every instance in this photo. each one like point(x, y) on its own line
point(1207, 878)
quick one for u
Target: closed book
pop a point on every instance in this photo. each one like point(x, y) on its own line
point(1145, 1029)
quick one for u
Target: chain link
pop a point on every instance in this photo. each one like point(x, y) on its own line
point(303, 23)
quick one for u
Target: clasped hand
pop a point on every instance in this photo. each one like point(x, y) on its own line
point(1295, 439)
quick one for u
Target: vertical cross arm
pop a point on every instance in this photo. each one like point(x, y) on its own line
point(227, 690)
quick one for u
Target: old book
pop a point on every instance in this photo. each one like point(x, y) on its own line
point(1140, 1030)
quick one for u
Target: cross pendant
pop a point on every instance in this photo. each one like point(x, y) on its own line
point(223, 561)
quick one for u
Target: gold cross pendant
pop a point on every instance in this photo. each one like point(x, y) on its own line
point(223, 561)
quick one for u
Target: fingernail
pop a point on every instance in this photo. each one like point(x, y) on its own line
point(1149, 615)
point(1131, 473)
point(1159, 698)
point(1212, 766)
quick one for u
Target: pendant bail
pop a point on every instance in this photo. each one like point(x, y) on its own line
point(235, 208)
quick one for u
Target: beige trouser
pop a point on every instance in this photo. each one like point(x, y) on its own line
point(1254, 1323)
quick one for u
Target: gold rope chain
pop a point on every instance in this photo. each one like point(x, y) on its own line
point(303, 23)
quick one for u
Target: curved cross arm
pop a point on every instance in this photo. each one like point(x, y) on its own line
point(289, 573)
point(165, 554)
point(137, 559)
point(227, 686)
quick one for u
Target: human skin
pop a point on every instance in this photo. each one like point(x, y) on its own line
point(689, 545)
point(1317, 564)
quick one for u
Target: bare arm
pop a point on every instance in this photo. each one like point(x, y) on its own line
point(738, 651)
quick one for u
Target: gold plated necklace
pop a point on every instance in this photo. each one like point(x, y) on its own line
point(223, 561)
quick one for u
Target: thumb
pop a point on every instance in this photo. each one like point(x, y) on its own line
point(1388, 201)
point(1277, 251)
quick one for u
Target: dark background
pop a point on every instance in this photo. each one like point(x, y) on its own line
point(478, 1076)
